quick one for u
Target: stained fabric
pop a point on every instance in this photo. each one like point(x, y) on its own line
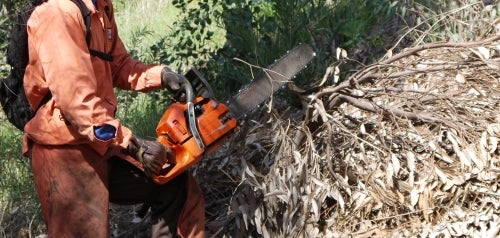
point(71, 185)
point(75, 185)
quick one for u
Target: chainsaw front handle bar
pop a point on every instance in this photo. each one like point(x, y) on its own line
point(192, 128)
point(185, 86)
point(191, 116)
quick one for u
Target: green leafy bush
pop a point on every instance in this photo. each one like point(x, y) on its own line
point(222, 38)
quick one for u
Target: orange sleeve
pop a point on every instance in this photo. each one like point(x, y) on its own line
point(59, 39)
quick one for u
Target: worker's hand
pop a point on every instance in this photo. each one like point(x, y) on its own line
point(171, 80)
point(152, 154)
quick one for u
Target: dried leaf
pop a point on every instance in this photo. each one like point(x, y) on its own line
point(464, 159)
point(341, 52)
point(442, 176)
point(484, 52)
point(297, 156)
point(315, 209)
point(493, 145)
point(318, 182)
point(460, 78)
point(248, 170)
point(257, 220)
point(274, 193)
point(359, 198)
point(470, 152)
point(389, 175)
point(362, 129)
point(336, 75)
point(395, 163)
point(335, 194)
point(459, 180)
point(414, 195)
point(448, 185)
point(250, 139)
point(410, 160)
point(243, 211)
point(265, 233)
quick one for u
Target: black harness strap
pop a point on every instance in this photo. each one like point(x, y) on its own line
point(101, 55)
point(86, 19)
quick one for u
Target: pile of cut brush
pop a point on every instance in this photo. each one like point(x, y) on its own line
point(406, 146)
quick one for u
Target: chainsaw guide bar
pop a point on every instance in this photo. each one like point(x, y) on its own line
point(270, 80)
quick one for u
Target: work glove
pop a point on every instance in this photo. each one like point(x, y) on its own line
point(171, 80)
point(151, 154)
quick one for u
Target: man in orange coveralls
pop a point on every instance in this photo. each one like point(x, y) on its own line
point(74, 137)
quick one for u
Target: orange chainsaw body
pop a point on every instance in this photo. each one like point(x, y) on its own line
point(200, 124)
point(173, 131)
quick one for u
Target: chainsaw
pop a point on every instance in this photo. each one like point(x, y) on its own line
point(199, 124)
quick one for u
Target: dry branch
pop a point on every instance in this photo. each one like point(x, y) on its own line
point(408, 146)
point(403, 145)
point(369, 72)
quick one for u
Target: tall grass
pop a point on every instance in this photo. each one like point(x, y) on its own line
point(142, 23)
point(19, 208)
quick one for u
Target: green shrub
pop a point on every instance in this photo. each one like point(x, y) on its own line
point(212, 34)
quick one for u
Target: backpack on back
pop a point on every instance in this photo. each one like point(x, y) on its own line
point(12, 96)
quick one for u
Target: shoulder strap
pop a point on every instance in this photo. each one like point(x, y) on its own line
point(86, 18)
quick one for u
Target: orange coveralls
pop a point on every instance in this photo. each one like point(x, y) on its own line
point(74, 175)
